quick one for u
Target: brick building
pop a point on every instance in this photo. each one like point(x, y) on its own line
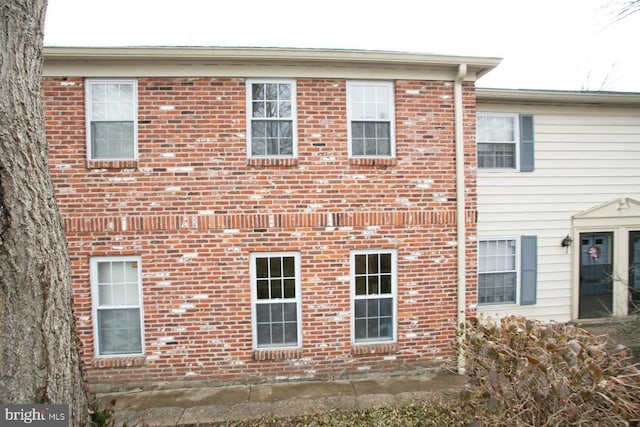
point(264, 214)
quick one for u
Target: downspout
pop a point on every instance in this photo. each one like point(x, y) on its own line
point(460, 208)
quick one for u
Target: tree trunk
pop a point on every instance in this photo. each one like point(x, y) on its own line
point(38, 344)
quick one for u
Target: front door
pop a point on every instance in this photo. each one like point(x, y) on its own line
point(596, 284)
point(634, 272)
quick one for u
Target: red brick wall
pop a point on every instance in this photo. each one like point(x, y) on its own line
point(193, 192)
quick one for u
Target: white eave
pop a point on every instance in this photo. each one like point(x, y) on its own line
point(526, 96)
point(256, 62)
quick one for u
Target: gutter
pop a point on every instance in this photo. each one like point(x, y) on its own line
point(460, 208)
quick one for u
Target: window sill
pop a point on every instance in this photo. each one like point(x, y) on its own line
point(119, 362)
point(277, 354)
point(372, 161)
point(370, 349)
point(263, 161)
point(112, 164)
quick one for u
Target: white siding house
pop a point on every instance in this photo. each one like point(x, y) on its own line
point(558, 211)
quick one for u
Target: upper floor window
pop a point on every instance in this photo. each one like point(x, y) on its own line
point(116, 287)
point(271, 121)
point(505, 141)
point(111, 119)
point(275, 290)
point(374, 276)
point(371, 117)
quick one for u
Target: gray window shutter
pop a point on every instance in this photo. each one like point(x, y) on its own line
point(529, 269)
point(527, 153)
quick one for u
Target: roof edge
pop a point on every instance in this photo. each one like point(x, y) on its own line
point(557, 96)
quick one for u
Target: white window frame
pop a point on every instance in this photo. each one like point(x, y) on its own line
point(516, 142)
point(517, 270)
point(393, 295)
point(94, 261)
point(294, 117)
point(89, 115)
point(391, 119)
point(255, 301)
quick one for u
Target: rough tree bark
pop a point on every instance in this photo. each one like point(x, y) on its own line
point(39, 350)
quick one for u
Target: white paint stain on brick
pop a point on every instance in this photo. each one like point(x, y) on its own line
point(188, 256)
point(256, 197)
point(183, 169)
point(172, 189)
point(64, 83)
point(340, 317)
point(411, 335)
point(159, 274)
point(439, 198)
point(168, 155)
point(389, 357)
point(233, 249)
point(167, 107)
point(187, 306)
point(231, 231)
point(364, 368)
point(345, 228)
point(200, 296)
point(205, 212)
point(412, 256)
point(343, 278)
point(404, 201)
point(328, 158)
point(164, 283)
point(178, 311)
point(452, 243)
point(190, 374)
point(412, 91)
point(121, 179)
point(63, 166)
point(422, 183)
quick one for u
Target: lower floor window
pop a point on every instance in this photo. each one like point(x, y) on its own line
point(497, 271)
point(373, 283)
point(275, 290)
point(117, 305)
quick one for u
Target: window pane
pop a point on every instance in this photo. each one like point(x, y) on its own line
point(112, 140)
point(272, 91)
point(274, 265)
point(288, 265)
point(385, 263)
point(361, 264)
point(258, 109)
point(262, 289)
point(285, 109)
point(276, 288)
point(385, 284)
point(372, 283)
point(276, 313)
point(119, 331)
point(357, 148)
point(262, 267)
point(258, 91)
point(386, 328)
point(360, 329)
point(264, 334)
point(386, 307)
point(290, 312)
point(289, 288)
point(360, 308)
point(361, 285)
point(372, 263)
point(104, 272)
point(372, 328)
point(284, 91)
point(290, 333)
point(277, 333)
point(104, 295)
point(262, 313)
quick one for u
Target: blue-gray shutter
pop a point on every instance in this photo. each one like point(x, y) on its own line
point(527, 153)
point(528, 269)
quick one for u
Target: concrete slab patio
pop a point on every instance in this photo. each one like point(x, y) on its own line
point(209, 405)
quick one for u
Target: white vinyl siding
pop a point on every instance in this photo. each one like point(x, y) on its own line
point(111, 114)
point(116, 287)
point(371, 119)
point(585, 156)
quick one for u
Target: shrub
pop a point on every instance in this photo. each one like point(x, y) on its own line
point(532, 373)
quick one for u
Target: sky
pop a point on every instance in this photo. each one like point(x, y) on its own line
point(544, 44)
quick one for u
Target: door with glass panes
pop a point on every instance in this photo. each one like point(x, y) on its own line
point(596, 284)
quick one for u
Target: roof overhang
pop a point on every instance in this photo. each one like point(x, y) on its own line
point(524, 96)
point(257, 62)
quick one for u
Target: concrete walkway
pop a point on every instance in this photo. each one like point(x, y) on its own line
point(194, 406)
